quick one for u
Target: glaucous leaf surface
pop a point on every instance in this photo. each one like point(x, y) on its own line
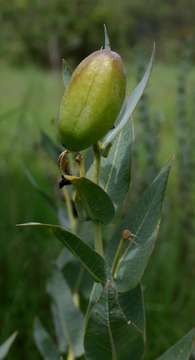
point(90, 260)
point(129, 105)
point(143, 221)
point(69, 318)
point(96, 202)
point(182, 350)
point(44, 342)
point(59, 334)
point(116, 167)
point(132, 304)
point(5, 347)
point(108, 333)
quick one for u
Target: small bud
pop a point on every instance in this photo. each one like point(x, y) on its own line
point(92, 100)
point(128, 235)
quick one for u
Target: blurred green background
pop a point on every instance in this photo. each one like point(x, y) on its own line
point(34, 37)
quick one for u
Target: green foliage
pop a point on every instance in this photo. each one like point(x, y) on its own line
point(5, 347)
point(114, 313)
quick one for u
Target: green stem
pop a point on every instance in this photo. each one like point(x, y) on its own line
point(72, 219)
point(117, 257)
point(97, 158)
point(98, 228)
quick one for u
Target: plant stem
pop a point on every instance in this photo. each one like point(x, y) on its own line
point(118, 256)
point(70, 355)
point(70, 211)
point(98, 228)
point(97, 158)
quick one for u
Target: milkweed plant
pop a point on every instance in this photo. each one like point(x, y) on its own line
point(95, 285)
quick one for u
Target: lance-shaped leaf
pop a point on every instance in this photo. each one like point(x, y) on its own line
point(97, 203)
point(90, 260)
point(143, 221)
point(108, 334)
point(44, 342)
point(132, 304)
point(69, 317)
point(182, 350)
point(129, 105)
point(52, 149)
point(116, 168)
point(5, 347)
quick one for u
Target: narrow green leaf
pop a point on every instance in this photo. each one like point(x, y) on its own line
point(129, 105)
point(106, 39)
point(142, 220)
point(44, 343)
point(61, 340)
point(70, 318)
point(5, 347)
point(132, 304)
point(90, 260)
point(182, 350)
point(116, 168)
point(52, 149)
point(109, 335)
point(97, 203)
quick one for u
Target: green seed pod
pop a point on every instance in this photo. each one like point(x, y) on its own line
point(92, 100)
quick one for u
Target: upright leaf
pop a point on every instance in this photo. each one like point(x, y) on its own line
point(115, 170)
point(129, 105)
point(90, 260)
point(142, 220)
point(5, 347)
point(69, 317)
point(109, 335)
point(97, 203)
point(182, 350)
point(44, 343)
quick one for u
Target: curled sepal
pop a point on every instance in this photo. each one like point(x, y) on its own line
point(109, 335)
point(129, 106)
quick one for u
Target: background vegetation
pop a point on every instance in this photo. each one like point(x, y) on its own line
point(34, 37)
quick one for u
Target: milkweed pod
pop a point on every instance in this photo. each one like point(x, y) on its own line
point(92, 100)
